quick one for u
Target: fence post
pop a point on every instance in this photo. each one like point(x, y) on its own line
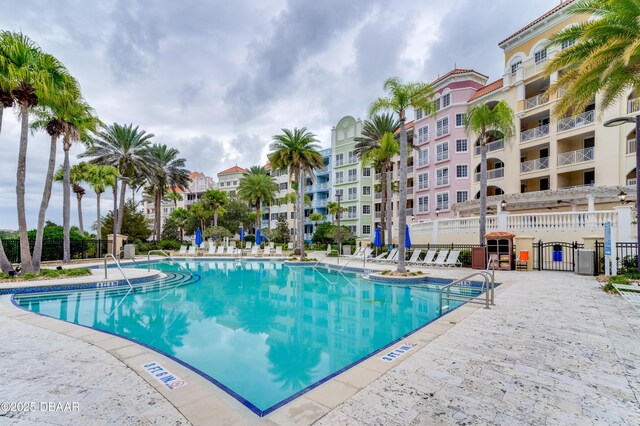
point(434, 233)
point(540, 255)
point(503, 221)
point(624, 216)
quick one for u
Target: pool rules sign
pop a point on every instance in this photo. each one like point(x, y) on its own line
point(610, 261)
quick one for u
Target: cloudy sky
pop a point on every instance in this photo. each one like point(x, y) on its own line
point(217, 79)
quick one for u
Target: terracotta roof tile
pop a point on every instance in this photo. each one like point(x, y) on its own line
point(491, 87)
point(408, 125)
point(234, 169)
point(194, 175)
point(453, 72)
point(540, 19)
point(500, 235)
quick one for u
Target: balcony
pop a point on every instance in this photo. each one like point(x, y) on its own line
point(377, 215)
point(631, 182)
point(320, 203)
point(574, 122)
point(353, 178)
point(534, 165)
point(492, 174)
point(410, 169)
point(378, 176)
point(631, 146)
point(410, 191)
point(633, 105)
point(339, 163)
point(378, 195)
point(492, 146)
point(410, 212)
point(574, 157)
point(535, 133)
point(534, 101)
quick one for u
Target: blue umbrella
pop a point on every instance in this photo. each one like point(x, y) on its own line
point(258, 236)
point(198, 237)
point(213, 238)
point(377, 240)
point(263, 240)
point(407, 237)
point(241, 234)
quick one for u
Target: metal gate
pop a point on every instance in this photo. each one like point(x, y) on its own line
point(556, 256)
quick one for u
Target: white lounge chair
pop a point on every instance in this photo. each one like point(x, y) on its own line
point(367, 252)
point(442, 256)
point(452, 259)
point(290, 246)
point(230, 250)
point(380, 257)
point(212, 249)
point(267, 251)
point(279, 251)
point(248, 245)
point(192, 249)
point(220, 251)
point(183, 250)
point(272, 245)
point(357, 254)
point(428, 258)
point(414, 256)
point(393, 254)
point(254, 250)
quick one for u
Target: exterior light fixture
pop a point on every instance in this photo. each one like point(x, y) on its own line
point(503, 205)
point(622, 196)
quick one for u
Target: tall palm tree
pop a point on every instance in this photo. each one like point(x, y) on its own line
point(485, 122)
point(370, 150)
point(168, 173)
point(332, 209)
point(298, 151)
point(401, 97)
point(174, 196)
point(127, 148)
point(100, 178)
point(78, 174)
point(257, 186)
point(215, 199)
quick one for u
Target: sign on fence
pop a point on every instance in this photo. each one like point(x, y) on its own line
point(607, 238)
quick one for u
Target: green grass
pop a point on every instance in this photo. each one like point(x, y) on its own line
point(48, 274)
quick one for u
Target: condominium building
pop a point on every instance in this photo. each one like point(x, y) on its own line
point(281, 207)
point(229, 179)
point(352, 181)
point(441, 162)
point(319, 193)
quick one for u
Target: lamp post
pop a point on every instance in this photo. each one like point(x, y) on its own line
point(338, 196)
point(503, 205)
point(618, 122)
point(437, 212)
point(115, 212)
point(622, 196)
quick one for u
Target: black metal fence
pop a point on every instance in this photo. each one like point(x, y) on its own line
point(555, 256)
point(446, 246)
point(53, 249)
point(626, 253)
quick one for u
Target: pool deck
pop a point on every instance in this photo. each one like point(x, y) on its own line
point(554, 350)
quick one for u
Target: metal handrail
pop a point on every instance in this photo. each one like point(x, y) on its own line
point(166, 255)
point(461, 298)
point(106, 256)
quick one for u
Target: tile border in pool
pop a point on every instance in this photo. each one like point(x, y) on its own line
point(77, 286)
point(246, 403)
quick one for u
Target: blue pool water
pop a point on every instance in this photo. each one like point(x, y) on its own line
point(263, 330)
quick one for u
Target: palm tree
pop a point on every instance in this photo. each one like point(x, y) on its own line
point(168, 173)
point(100, 178)
point(332, 208)
point(174, 196)
point(486, 123)
point(298, 151)
point(257, 186)
point(181, 217)
point(315, 218)
point(403, 96)
point(125, 147)
point(215, 199)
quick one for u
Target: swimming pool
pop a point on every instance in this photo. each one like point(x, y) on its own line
point(263, 331)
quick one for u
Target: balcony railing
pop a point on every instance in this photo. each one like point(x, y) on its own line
point(378, 176)
point(410, 191)
point(534, 101)
point(631, 146)
point(631, 182)
point(410, 169)
point(535, 133)
point(378, 195)
point(576, 121)
point(633, 105)
point(533, 165)
point(377, 215)
point(492, 146)
point(492, 174)
point(410, 212)
point(578, 156)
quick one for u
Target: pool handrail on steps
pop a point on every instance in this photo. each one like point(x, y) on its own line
point(166, 255)
point(106, 256)
point(488, 285)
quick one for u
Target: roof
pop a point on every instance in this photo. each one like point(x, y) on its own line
point(500, 235)
point(194, 175)
point(234, 169)
point(491, 87)
point(408, 126)
point(562, 5)
point(267, 166)
point(454, 72)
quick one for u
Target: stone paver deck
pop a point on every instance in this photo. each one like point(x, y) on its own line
point(555, 350)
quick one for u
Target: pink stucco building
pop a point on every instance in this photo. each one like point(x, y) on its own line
point(442, 172)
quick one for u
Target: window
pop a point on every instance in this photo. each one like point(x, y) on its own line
point(446, 100)
point(423, 135)
point(353, 175)
point(353, 229)
point(339, 193)
point(442, 201)
point(339, 159)
point(442, 151)
point(353, 193)
point(423, 157)
point(352, 213)
point(352, 157)
point(366, 209)
point(339, 177)
point(462, 196)
point(423, 181)
point(566, 44)
point(438, 102)
point(462, 145)
point(293, 215)
point(366, 172)
point(462, 171)
point(366, 190)
point(366, 229)
point(442, 127)
point(418, 114)
point(540, 56)
point(235, 182)
point(283, 186)
point(460, 119)
point(442, 176)
point(423, 204)
point(515, 66)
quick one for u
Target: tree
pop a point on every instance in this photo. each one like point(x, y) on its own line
point(125, 147)
point(257, 187)
point(168, 172)
point(200, 213)
point(215, 199)
point(316, 217)
point(280, 234)
point(403, 96)
point(100, 178)
point(332, 208)
point(134, 225)
point(171, 230)
point(180, 216)
point(485, 122)
point(236, 212)
point(298, 152)
point(370, 149)
point(173, 196)
point(78, 174)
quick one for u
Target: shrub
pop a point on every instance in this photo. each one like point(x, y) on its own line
point(76, 272)
point(250, 239)
point(169, 245)
point(333, 253)
point(465, 258)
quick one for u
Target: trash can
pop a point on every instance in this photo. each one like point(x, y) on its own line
point(557, 253)
point(585, 262)
point(129, 251)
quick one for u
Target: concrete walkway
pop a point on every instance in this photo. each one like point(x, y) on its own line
point(555, 350)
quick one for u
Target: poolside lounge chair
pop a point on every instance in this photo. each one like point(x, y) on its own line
point(630, 293)
point(414, 256)
point(428, 258)
point(267, 251)
point(367, 252)
point(230, 250)
point(290, 246)
point(183, 250)
point(279, 251)
point(452, 259)
point(357, 254)
point(393, 254)
point(254, 250)
point(212, 249)
point(192, 249)
point(380, 257)
point(220, 251)
point(442, 256)
point(272, 245)
point(248, 245)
